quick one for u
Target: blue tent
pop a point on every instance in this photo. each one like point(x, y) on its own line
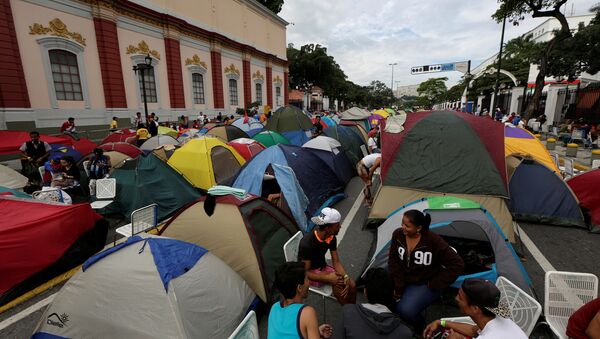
point(539, 195)
point(338, 163)
point(315, 180)
point(58, 151)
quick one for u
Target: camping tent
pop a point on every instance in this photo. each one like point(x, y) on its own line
point(466, 226)
point(248, 234)
point(270, 138)
point(12, 179)
point(328, 121)
point(226, 132)
point(292, 123)
point(123, 147)
point(164, 152)
point(444, 152)
point(146, 180)
point(384, 113)
point(247, 148)
point(585, 186)
point(357, 115)
point(164, 130)
point(334, 155)
point(157, 141)
point(13, 192)
point(84, 146)
point(43, 240)
point(357, 128)
point(251, 127)
point(520, 142)
point(317, 180)
point(538, 195)
point(149, 287)
point(350, 140)
point(119, 136)
point(11, 141)
point(58, 151)
point(206, 161)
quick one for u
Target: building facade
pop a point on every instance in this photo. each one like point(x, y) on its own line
point(75, 58)
point(407, 91)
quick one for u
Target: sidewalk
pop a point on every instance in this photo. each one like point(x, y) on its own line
point(583, 161)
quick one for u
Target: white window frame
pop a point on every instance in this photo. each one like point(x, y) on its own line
point(262, 90)
point(278, 97)
point(52, 42)
point(141, 59)
point(202, 71)
point(236, 77)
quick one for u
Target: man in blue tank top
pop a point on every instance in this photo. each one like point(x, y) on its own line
point(290, 318)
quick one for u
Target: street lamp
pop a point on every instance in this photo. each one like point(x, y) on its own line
point(147, 65)
point(392, 86)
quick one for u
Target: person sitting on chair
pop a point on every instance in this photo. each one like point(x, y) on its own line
point(312, 251)
point(98, 168)
point(69, 173)
point(36, 152)
point(290, 318)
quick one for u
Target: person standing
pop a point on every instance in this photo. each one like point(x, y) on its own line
point(138, 122)
point(35, 154)
point(318, 127)
point(114, 124)
point(152, 126)
point(290, 318)
point(312, 250)
point(422, 264)
point(141, 135)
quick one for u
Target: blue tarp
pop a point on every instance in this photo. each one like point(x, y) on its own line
point(539, 195)
point(58, 151)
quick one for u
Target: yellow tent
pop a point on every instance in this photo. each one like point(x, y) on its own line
point(382, 112)
point(519, 142)
point(206, 161)
point(167, 131)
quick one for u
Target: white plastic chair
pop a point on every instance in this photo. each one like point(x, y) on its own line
point(86, 164)
point(105, 189)
point(247, 329)
point(524, 309)
point(595, 164)
point(555, 158)
point(565, 293)
point(142, 220)
point(569, 172)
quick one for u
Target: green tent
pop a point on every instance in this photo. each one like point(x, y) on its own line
point(288, 118)
point(146, 180)
point(270, 138)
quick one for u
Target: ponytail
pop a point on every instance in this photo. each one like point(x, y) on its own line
point(419, 218)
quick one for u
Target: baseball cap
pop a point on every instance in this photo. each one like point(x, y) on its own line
point(327, 216)
point(486, 295)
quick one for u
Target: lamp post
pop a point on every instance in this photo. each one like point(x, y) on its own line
point(495, 97)
point(147, 65)
point(392, 86)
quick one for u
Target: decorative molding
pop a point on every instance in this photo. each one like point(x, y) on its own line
point(195, 60)
point(56, 28)
point(257, 76)
point(277, 80)
point(232, 70)
point(142, 48)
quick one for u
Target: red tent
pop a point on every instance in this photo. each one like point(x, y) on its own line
point(247, 148)
point(122, 147)
point(84, 146)
point(118, 136)
point(30, 242)
point(585, 186)
point(10, 141)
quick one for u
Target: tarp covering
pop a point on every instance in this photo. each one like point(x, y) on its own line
point(32, 241)
point(146, 180)
point(585, 186)
point(447, 152)
point(247, 234)
point(11, 141)
point(538, 195)
point(520, 142)
point(11, 179)
point(206, 161)
point(460, 219)
point(123, 295)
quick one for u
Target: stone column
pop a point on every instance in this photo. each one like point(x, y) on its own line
point(554, 103)
point(217, 75)
point(516, 92)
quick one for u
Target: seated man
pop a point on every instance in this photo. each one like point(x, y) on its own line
point(290, 318)
point(312, 251)
point(35, 154)
point(480, 300)
point(585, 322)
point(98, 168)
point(373, 319)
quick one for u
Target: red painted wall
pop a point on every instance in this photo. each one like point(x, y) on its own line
point(270, 87)
point(110, 63)
point(13, 87)
point(176, 91)
point(217, 79)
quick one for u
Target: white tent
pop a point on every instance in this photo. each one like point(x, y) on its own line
point(12, 179)
point(149, 287)
point(324, 143)
point(157, 141)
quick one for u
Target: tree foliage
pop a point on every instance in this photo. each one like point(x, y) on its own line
point(432, 90)
point(273, 5)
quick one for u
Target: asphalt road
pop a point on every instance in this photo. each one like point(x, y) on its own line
point(566, 249)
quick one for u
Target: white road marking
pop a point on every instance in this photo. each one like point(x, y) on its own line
point(26, 312)
point(348, 220)
point(534, 250)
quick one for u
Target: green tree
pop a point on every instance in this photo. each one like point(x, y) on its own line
point(515, 11)
point(273, 5)
point(432, 90)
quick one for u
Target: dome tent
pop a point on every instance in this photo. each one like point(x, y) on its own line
point(247, 148)
point(292, 123)
point(149, 287)
point(270, 138)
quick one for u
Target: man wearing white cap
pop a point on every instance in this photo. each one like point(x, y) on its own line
point(312, 250)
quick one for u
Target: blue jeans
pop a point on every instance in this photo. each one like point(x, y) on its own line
point(414, 300)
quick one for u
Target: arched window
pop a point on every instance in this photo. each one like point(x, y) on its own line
point(149, 83)
point(65, 74)
point(259, 93)
point(198, 88)
point(233, 92)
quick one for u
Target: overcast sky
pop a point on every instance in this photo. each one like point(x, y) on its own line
point(364, 36)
